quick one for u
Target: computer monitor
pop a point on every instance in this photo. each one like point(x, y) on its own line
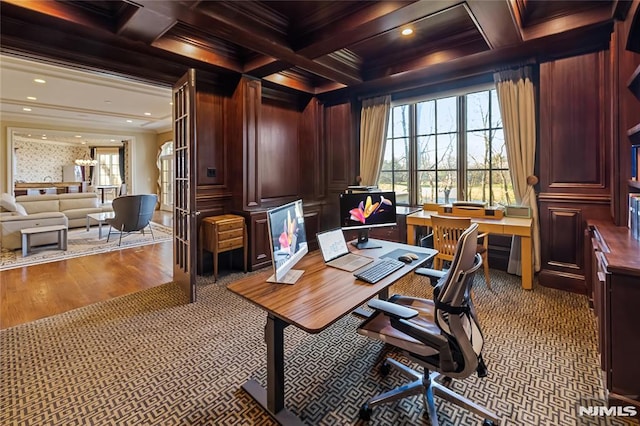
point(366, 210)
point(288, 241)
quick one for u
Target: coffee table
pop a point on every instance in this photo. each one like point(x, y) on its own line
point(100, 218)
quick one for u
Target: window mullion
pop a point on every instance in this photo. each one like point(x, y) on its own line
point(413, 155)
point(462, 148)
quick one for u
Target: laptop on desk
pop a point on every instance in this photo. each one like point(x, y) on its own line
point(336, 253)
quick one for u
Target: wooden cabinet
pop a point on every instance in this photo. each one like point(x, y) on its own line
point(223, 233)
point(614, 275)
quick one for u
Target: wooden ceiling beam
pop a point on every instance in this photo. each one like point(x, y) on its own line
point(495, 21)
point(144, 25)
point(264, 65)
point(235, 32)
point(569, 22)
point(62, 10)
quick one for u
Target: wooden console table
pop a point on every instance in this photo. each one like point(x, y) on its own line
point(24, 188)
point(223, 233)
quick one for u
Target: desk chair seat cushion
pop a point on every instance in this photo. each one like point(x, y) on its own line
point(378, 326)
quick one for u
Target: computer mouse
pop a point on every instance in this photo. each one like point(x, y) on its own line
point(404, 258)
point(412, 256)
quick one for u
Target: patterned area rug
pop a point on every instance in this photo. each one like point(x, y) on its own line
point(145, 359)
point(81, 243)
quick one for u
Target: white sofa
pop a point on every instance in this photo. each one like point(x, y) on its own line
point(29, 211)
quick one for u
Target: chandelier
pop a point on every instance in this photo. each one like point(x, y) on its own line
point(86, 161)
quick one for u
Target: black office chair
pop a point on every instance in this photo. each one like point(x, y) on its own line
point(442, 335)
point(133, 213)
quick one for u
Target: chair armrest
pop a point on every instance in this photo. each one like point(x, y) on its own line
point(484, 234)
point(392, 309)
point(431, 273)
point(32, 216)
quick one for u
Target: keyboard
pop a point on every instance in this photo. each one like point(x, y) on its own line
point(380, 269)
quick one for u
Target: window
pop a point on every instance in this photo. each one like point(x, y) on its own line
point(108, 167)
point(447, 149)
point(165, 164)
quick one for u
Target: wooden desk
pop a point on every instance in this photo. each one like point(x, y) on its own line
point(321, 297)
point(520, 227)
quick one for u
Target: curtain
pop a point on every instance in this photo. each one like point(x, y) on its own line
point(516, 95)
point(374, 120)
point(92, 168)
point(121, 163)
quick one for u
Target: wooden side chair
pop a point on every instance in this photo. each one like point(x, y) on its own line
point(446, 233)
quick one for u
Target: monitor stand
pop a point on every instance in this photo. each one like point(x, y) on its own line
point(289, 278)
point(363, 241)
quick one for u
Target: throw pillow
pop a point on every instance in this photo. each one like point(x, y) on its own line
point(7, 202)
point(20, 210)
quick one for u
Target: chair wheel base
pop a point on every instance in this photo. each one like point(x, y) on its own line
point(487, 422)
point(385, 368)
point(365, 413)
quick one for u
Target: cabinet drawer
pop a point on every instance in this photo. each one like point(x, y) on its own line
point(229, 225)
point(230, 244)
point(229, 235)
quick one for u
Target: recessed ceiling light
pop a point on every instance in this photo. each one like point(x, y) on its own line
point(78, 136)
point(129, 121)
point(44, 137)
point(407, 31)
point(147, 113)
point(39, 80)
point(112, 140)
point(31, 98)
point(170, 103)
point(26, 109)
point(83, 143)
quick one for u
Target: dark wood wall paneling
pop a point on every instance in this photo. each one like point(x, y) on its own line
point(341, 148)
point(271, 151)
point(574, 146)
point(279, 151)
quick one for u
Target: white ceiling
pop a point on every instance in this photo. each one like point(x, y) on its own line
point(76, 98)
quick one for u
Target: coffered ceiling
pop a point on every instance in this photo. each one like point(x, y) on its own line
point(75, 98)
point(324, 48)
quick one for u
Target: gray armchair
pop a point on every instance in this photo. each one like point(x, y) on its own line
point(133, 213)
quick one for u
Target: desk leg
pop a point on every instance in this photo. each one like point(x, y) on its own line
point(411, 235)
point(272, 399)
point(527, 263)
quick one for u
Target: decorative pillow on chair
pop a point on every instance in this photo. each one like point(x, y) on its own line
point(7, 202)
point(20, 210)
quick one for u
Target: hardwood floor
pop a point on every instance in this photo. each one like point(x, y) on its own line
point(40, 291)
